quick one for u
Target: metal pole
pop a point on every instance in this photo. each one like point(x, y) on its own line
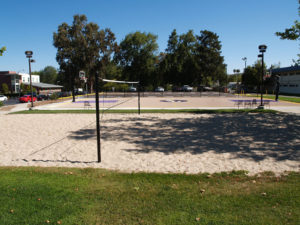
point(262, 77)
point(97, 118)
point(30, 83)
point(139, 99)
point(73, 86)
point(86, 88)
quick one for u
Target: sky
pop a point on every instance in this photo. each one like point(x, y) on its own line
point(242, 25)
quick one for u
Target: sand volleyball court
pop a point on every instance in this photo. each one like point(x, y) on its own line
point(176, 143)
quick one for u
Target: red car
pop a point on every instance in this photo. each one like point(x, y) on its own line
point(27, 98)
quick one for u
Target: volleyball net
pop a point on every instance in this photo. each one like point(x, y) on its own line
point(124, 82)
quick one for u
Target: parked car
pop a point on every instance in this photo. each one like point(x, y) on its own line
point(27, 98)
point(42, 97)
point(187, 88)
point(132, 88)
point(204, 88)
point(159, 89)
point(3, 98)
point(176, 88)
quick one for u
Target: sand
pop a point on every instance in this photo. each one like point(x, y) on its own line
point(167, 143)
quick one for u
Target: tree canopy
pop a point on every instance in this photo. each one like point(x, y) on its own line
point(292, 33)
point(82, 46)
point(137, 56)
point(252, 75)
point(189, 58)
point(48, 75)
point(2, 50)
point(193, 59)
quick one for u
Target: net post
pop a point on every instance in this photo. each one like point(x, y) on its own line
point(139, 99)
point(97, 117)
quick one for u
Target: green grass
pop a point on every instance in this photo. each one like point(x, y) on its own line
point(280, 98)
point(95, 196)
point(196, 111)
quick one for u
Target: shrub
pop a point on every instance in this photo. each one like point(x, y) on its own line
point(54, 96)
point(5, 88)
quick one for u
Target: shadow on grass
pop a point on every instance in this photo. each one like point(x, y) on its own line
point(253, 136)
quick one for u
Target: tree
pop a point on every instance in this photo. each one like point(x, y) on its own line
point(137, 57)
point(251, 78)
point(169, 65)
point(5, 88)
point(292, 33)
point(48, 75)
point(210, 63)
point(2, 50)
point(82, 46)
point(194, 59)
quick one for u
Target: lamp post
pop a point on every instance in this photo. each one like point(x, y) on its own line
point(262, 49)
point(245, 59)
point(236, 71)
point(29, 55)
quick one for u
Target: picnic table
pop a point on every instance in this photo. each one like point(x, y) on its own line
point(250, 102)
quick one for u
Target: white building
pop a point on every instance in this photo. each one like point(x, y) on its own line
point(289, 79)
point(26, 78)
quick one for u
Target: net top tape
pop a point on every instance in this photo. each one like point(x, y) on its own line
point(121, 82)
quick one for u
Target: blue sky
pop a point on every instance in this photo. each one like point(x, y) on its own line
point(242, 25)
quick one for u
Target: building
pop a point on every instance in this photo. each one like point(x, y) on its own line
point(289, 79)
point(45, 89)
point(26, 78)
point(14, 81)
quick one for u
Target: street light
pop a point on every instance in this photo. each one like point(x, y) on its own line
point(29, 55)
point(236, 71)
point(245, 59)
point(262, 49)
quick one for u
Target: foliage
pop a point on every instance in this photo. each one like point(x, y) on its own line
point(113, 71)
point(137, 57)
point(189, 59)
point(194, 59)
point(5, 88)
point(95, 196)
point(292, 33)
point(234, 78)
point(82, 46)
point(54, 96)
point(24, 88)
point(48, 75)
point(115, 86)
point(252, 75)
point(2, 50)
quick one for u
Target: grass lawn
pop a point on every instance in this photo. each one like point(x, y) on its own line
point(196, 111)
point(281, 98)
point(33, 195)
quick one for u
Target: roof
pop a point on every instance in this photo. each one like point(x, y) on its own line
point(43, 85)
point(286, 69)
point(7, 72)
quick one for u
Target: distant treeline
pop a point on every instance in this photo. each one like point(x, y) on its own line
point(193, 59)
